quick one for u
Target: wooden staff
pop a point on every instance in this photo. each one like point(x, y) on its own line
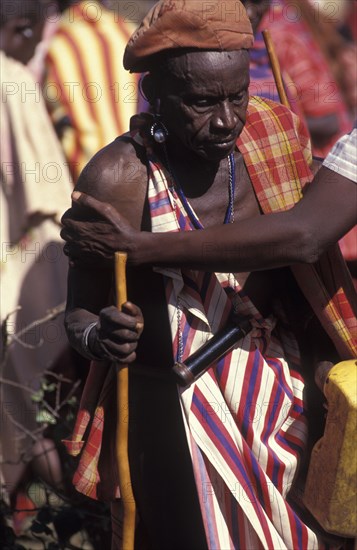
point(275, 68)
point(122, 429)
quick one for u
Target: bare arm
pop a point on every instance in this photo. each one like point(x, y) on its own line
point(114, 334)
point(326, 212)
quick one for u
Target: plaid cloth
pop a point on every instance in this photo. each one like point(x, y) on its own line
point(96, 475)
point(244, 458)
point(279, 168)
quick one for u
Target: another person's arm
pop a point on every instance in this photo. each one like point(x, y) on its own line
point(325, 213)
point(323, 128)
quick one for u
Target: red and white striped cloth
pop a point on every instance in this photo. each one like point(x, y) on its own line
point(245, 417)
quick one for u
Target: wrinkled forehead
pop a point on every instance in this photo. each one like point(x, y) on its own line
point(193, 66)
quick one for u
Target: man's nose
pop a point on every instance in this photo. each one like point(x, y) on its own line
point(224, 117)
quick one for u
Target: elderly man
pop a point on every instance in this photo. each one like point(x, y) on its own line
point(213, 465)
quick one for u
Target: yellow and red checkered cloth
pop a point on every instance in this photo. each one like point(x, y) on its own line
point(277, 154)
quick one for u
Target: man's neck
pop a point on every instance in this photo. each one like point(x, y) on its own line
point(194, 174)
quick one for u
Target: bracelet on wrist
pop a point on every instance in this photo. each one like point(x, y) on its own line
point(85, 342)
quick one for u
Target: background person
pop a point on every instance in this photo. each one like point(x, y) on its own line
point(34, 189)
point(303, 50)
point(89, 96)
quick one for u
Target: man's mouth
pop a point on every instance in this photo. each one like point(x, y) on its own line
point(225, 142)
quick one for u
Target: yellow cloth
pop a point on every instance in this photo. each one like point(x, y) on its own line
point(88, 92)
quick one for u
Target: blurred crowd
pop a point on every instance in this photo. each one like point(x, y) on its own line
point(65, 95)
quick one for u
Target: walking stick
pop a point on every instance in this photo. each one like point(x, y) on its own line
point(123, 420)
point(275, 68)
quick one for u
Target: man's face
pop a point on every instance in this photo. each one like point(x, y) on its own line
point(19, 37)
point(204, 101)
point(22, 26)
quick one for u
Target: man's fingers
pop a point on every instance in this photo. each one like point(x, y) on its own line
point(129, 318)
point(120, 336)
point(104, 209)
point(117, 333)
point(132, 309)
point(124, 353)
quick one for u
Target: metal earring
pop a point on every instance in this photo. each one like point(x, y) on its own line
point(159, 131)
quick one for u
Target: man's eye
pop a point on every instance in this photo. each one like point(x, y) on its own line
point(201, 104)
point(238, 98)
point(25, 30)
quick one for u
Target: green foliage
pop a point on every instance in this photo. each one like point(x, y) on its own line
point(37, 396)
point(45, 417)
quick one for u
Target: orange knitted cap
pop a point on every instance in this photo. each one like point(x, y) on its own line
point(202, 24)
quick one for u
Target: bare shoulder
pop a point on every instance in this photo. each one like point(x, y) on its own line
point(117, 175)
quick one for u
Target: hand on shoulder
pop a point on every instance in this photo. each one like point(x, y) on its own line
point(107, 206)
